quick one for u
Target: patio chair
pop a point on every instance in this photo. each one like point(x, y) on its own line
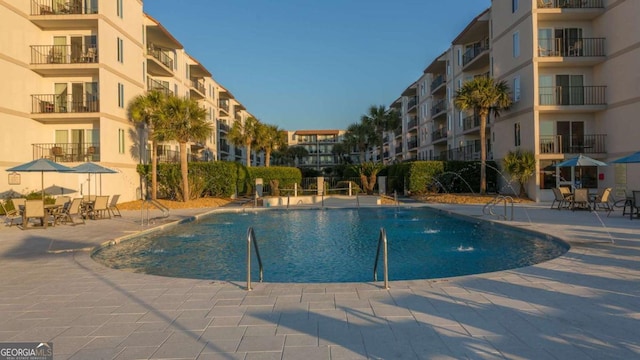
point(580, 199)
point(10, 214)
point(34, 209)
point(113, 206)
point(635, 204)
point(602, 200)
point(70, 211)
point(560, 198)
point(101, 208)
point(62, 200)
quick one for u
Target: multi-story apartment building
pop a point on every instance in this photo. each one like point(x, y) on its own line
point(319, 145)
point(70, 70)
point(569, 65)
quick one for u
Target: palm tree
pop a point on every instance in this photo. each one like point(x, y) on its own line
point(244, 134)
point(360, 135)
point(484, 96)
point(270, 138)
point(297, 153)
point(341, 151)
point(185, 122)
point(521, 165)
point(382, 119)
point(147, 109)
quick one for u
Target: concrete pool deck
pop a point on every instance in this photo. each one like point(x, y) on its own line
point(583, 305)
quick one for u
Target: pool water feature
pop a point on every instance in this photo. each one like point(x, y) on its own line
point(331, 245)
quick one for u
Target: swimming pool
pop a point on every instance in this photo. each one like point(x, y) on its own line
point(334, 245)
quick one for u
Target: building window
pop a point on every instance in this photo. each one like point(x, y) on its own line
point(516, 134)
point(516, 44)
point(121, 95)
point(120, 50)
point(119, 8)
point(514, 5)
point(121, 141)
point(516, 89)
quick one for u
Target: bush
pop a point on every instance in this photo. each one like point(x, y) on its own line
point(284, 175)
point(215, 179)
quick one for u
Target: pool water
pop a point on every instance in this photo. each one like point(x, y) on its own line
point(333, 245)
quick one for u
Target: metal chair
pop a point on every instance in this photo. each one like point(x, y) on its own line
point(10, 214)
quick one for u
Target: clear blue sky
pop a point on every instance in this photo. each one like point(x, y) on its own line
point(315, 64)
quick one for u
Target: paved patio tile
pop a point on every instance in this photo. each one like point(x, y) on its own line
point(582, 305)
point(261, 343)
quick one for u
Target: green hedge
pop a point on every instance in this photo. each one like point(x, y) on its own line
point(215, 179)
point(419, 177)
point(286, 176)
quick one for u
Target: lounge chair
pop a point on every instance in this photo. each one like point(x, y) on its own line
point(62, 200)
point(18, 204)
point(10, 214)
point(70, 211)
point(34, 209)
point(580, 199)
point(113, 206)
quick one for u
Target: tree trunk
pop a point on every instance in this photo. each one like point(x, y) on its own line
point(483, 153)
point(372, 183)
point(184, 169)
point(248, 155)
point(267, 157)
point(154, 168)
point(365, 182)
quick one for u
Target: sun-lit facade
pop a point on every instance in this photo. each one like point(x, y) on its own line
point(570, 67)
point(70, 70)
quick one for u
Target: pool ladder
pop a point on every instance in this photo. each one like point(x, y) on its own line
point(382, 246)
point(251, 238)
point(488, 208)
point(147, 205)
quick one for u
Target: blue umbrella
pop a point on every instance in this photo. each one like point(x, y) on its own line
point(580, 160)
point(633, 158)
point(92, 168)
point(41, 165)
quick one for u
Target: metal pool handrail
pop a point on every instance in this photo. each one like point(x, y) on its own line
point(382, 243)
point(251, 238)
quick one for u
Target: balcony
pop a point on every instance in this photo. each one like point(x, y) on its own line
point(412, 143)
point(475, 58)
point(569, 9)
point(471, 122)
point(413, 123)
point(155, 85)
point(159, 63)
point(571, 52)
point(224, 148)
point(197, 90)
point(398, 150)
point(224, 107)
point(439, 107)
point(64, 60)
point(587, 144)
point(463, 153)
point(67, 152)
point(438, 135)
point(52, 14)
point(412, 103)
point(50, 106)
point(573, 98)
point(397, 132)
point(438, 83)
point(223, 127)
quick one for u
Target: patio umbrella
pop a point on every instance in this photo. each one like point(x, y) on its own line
point(92, 168)
point(580, 160)
point(633, 158)
point(577, 161)
point(41, 165)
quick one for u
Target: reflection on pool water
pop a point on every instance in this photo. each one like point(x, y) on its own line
point(335, 245)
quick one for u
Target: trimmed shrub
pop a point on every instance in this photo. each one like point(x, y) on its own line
point(284, 175)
